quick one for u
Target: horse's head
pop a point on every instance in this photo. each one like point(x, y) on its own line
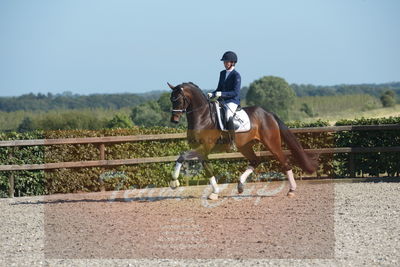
point(180, 102)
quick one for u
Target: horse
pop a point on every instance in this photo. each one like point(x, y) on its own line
point(203, 135)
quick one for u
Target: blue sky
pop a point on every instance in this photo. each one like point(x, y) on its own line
point(98, 46)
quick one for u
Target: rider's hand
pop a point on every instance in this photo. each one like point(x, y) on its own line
point(214, 96)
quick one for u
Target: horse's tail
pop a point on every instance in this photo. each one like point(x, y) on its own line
point(307, 163)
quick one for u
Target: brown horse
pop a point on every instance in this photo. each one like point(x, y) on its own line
point(203, 135)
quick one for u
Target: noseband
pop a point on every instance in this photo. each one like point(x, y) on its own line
point(185, 100)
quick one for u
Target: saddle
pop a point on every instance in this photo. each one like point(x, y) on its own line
point(241, 120)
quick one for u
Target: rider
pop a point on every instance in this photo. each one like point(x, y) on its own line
point(228, 90)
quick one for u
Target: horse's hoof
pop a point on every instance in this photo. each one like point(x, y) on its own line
point(291, 193)
point(174, 184)
point(240, 187)
point(213, 196)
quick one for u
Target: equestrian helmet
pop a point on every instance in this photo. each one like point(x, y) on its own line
point(229, 56)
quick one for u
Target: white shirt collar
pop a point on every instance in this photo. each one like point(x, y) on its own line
point(231, 69)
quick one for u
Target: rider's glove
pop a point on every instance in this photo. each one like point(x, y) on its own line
point(214, 96)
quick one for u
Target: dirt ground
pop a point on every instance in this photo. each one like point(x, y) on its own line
point(182, 224)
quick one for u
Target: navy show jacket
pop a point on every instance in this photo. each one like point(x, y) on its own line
point(229, 87)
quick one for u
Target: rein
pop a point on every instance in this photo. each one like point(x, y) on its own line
point(184, 110)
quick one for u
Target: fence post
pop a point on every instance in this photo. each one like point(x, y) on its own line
point(352, 166)
point(11, 180)
point(102, 150)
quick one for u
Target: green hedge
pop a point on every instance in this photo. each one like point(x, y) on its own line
point(369, 164)
point(26, 182)
point(159, 174)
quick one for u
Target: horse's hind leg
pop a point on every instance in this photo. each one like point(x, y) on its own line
point(248, 152)
point(272, 141)
point(210, 173)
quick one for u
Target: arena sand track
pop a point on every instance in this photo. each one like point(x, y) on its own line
point(326, 224)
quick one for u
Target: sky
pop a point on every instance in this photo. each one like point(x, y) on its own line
point(136, 46)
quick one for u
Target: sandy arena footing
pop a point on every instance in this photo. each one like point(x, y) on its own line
point(325, 224)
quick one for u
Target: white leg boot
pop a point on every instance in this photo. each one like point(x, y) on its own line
point(292, 183)
point(243, 179)
point(175, 174)
point(214, 194)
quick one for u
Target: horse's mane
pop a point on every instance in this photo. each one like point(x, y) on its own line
point(195, 88)
point(195, 85)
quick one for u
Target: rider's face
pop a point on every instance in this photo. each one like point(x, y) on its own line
point(228, 64)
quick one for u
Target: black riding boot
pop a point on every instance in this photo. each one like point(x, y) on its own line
point(231, 131)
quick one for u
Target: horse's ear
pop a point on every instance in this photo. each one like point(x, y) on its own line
point(171, 86)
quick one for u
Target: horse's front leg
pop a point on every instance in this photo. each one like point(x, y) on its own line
point(196, 154)
point(187, 155)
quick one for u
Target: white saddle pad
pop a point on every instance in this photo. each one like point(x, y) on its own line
point(240, 119)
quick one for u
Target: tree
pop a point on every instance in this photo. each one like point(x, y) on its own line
point(388, 98)
point(26, 125)
point(243, 92)
point(147, 114)
point(307, 109)
point(273, 94)
point(120, 121)
point(164, 102)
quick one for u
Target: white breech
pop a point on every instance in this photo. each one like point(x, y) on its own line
point(230, 110)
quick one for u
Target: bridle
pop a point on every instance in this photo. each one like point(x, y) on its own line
point(185, 100)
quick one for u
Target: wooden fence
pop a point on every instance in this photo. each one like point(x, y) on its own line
point(103, 141)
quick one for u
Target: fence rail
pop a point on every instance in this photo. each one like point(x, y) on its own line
point(156, 137)
point(102, 141)
point(235, 155)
